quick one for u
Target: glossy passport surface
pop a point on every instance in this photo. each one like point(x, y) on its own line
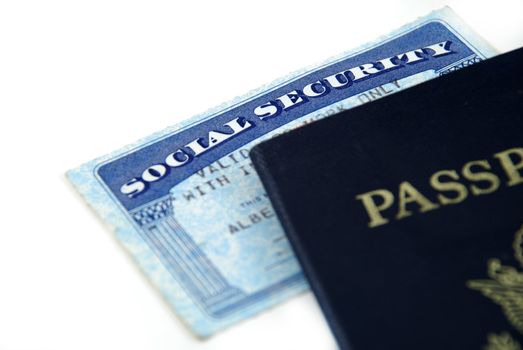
point(406, 213)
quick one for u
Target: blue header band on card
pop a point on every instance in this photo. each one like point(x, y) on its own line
point(145, 174)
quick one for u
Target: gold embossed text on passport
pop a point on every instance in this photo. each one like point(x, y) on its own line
point(449, 186)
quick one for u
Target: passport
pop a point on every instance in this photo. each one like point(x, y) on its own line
point(406, 213)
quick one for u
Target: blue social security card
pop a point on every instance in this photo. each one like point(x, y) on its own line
point(188, 206)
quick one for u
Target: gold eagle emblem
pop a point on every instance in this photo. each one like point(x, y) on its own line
point(505, 286)
point(501, 341)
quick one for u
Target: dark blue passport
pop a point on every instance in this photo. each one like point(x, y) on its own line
point(406, 213)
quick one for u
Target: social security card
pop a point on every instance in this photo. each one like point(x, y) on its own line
point(188, 206)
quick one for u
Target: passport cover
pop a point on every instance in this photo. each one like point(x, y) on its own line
point(406, 213)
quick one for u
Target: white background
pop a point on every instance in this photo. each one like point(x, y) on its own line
point(79, 79)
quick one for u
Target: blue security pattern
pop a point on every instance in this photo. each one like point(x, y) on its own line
point(184, 259)
point(189, 265)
